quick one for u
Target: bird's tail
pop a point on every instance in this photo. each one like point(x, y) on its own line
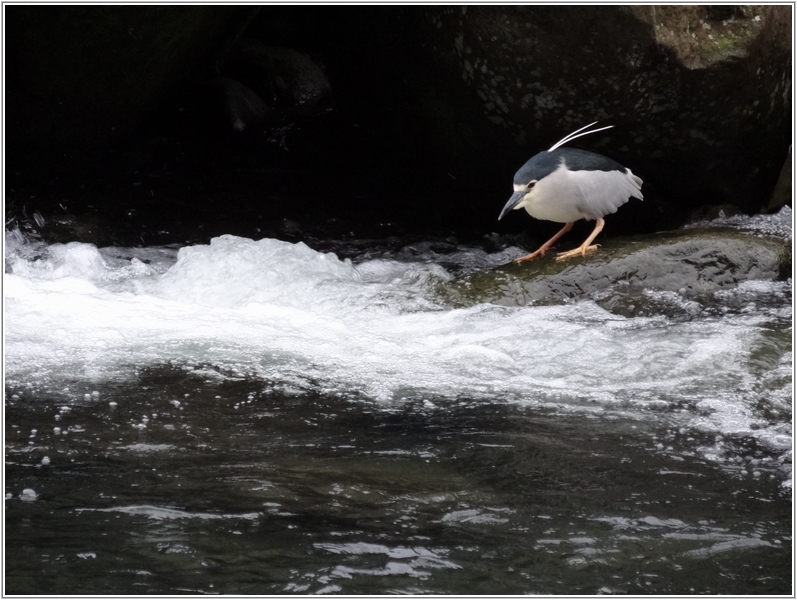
point(637, 181)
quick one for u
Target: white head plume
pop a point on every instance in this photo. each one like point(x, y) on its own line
point(573, 135)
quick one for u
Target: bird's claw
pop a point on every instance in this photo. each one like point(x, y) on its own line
point(582, 251)
point(532, 256)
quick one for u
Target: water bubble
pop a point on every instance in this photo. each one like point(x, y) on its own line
point(28, 495)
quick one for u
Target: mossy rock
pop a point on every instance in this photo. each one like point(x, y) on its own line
point(693, 263)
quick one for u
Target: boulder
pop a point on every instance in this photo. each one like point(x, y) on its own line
point(280, 76)
point(689, 265)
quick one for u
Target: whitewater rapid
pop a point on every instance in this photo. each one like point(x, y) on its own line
point(378, 330)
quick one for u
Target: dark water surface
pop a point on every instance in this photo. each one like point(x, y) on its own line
point(238, 491)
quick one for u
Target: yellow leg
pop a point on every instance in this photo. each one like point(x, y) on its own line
point(544, 248)
point(585, 247)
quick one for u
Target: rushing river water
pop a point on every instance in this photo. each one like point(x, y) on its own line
point(263, 417)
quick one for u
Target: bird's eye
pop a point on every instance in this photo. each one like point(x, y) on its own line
point(530, 185)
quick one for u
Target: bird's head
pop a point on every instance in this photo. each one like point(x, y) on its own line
point(528, 178)
point(523, 195)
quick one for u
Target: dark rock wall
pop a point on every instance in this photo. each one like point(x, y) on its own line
point(420, 114)
point(88, 75)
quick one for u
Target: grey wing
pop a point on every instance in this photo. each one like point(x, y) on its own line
point(603, 192)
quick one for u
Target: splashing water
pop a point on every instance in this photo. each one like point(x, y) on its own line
point(297, 317)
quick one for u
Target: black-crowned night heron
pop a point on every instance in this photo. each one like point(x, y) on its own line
point(565, 185)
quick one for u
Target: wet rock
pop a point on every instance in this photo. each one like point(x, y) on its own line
point(87, 228)
point(781, 196)
point(713, 211)
point(691, 264)
point(280, 76)
point(61, 227)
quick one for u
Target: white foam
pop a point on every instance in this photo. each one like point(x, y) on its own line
point(159, 513)
point(472, 516)
point(357, 548)
point(148, 447)
point(64, 260)
point(28, 495)
point(417, 558)
point(779, 224)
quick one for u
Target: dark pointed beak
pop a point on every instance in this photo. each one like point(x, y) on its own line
point(513, 202)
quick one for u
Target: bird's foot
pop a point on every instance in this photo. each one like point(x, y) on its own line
point(532, 256)
point(580, 251)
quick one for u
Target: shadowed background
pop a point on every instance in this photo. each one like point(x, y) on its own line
point(183, 122)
